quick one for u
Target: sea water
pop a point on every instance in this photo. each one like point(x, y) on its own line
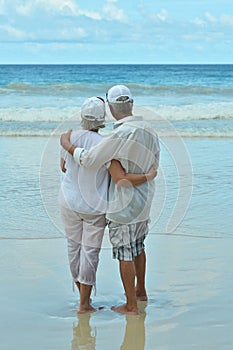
point(197, 99)
point(191, 104)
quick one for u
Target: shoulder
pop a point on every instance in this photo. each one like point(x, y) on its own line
point(75, 135)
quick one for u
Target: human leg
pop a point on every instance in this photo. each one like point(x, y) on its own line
point(93, 230)
point(85, 299)
point(139, 253)
point(73, 230)
point(120, 239)
point(140, 268)
point(74, 251)
point(127, 272)
point(128, 248)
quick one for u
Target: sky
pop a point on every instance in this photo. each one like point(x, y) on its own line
point(115, 31)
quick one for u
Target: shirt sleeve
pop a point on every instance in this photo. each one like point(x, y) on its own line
point(77, 154)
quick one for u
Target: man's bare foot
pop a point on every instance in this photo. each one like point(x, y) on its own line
point(141, 295)
point(123, 309)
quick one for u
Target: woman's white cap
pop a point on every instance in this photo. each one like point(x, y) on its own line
point(93, 109)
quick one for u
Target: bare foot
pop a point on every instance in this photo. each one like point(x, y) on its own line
point(141, 297)
point(84, 310)
point(123, 309)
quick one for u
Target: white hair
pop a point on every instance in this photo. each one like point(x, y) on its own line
point(122, 108)
point(93, 124)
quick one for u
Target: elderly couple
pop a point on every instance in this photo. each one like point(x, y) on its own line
point(109, 180)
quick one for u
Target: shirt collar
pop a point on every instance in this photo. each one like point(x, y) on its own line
point(130, 118)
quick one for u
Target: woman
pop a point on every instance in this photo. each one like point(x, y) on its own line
point(83, 200)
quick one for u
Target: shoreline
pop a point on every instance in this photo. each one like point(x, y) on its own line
point(194, 137)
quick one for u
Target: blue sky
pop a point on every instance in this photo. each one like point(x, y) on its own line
point(115, 31)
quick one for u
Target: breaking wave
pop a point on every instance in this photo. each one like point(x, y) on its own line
point(138, 89)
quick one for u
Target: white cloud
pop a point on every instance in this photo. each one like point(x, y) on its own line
point(112, 12)
point(13, 32)
point(198, 21)
point(2, 7)
point(64, 21)
point(226, 19)
point(92, 15)
point(202, 37)
point(163, 15)
point(223, 19)
point(60, 6)
point(56, 7)
point(210, 18)
point(76, 33)
point(24, 9)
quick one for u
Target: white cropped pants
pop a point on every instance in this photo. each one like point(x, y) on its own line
point(84, 235)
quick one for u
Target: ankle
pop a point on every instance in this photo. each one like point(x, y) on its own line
point(84, 303)
point(132, 308)
point(140, 290)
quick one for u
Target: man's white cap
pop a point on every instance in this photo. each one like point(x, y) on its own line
point(93, 109)
point(119, 94)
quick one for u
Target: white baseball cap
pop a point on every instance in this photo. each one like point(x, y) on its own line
point(119, 94)
point(93, 109)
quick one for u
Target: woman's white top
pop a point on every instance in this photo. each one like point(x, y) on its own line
point(84, 189)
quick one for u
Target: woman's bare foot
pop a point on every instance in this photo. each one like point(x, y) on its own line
point(84, 310)
point(89, 308)
point(123, 309)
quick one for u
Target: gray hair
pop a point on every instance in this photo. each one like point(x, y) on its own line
point(122, 108)
point(91, 124)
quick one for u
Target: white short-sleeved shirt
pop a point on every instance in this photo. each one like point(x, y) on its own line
point(84, 190)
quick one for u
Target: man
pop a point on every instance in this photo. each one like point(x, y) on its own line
point(136, 146)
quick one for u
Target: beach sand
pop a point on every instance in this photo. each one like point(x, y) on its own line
point(189, 272)
point(189, 284)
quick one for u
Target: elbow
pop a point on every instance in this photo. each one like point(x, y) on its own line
point(123, 182)
point(115, 178)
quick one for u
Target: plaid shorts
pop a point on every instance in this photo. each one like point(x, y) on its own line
point(127, 240)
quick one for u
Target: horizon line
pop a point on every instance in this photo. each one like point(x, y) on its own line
point(120, 63)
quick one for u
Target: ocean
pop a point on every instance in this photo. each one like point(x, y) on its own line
point(190, 107)
point(189, 246)
point(196, 99)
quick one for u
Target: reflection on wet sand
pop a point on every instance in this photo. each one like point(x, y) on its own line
point(134, 338)
point(84, 335)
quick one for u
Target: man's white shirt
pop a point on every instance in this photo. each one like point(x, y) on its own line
point(135, 144)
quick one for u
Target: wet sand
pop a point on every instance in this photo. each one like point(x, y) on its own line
point(189, 283)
